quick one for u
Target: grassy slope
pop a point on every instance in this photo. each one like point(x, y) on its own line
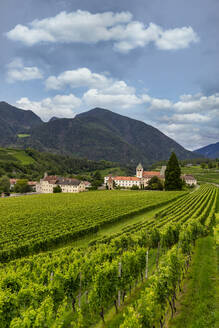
point(115, 227)
point(21, 156)
point(115, 171)
point(199, 305)
point(23, 135)
point(15, 155)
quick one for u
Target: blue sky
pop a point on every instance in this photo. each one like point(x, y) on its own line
point(156, 61)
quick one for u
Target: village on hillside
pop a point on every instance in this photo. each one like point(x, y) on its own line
point(52, 183)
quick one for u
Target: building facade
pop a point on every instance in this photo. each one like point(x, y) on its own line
point(47, 184)
point(141, 179)
point(189, 180)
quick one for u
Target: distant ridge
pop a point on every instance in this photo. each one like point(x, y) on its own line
point(210, 151)
point(98, 134)
point(13, 121)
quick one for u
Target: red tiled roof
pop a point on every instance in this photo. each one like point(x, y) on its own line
point(13, 181)
point(188, 177)
point(50, 177)
point(87, 183)
point(127, 178)
point(32, 183)
point(151, 174)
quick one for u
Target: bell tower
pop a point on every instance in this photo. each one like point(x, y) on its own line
point(139, 171)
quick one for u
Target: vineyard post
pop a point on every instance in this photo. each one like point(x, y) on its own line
point(51, 276)
point(158, 253)
point(146, 266)
point(86, 296)
point(79, 296)
point(119, 291)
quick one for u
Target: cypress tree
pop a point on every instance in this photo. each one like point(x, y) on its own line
point(172, 174)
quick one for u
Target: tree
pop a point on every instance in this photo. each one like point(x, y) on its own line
point(134, 187)
point(57, 189)
point(22, 186)
point(97, 180)
point(4, 184)
point(155, 184)
point(173, 180)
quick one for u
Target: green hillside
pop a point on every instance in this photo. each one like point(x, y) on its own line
point(31, 164)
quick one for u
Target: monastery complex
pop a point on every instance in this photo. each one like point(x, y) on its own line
point(142, 178)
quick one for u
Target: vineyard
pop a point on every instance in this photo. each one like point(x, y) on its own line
point(29, 225)
point(73, 287)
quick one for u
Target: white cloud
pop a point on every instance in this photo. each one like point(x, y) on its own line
point(85, 27)
point(103, 91)
point(190, 118)
point(193, 120)
point(178, 38)
point(18, 72)
point(81, 77)
point(60, 105)
point(198, 103)
point(101, 98)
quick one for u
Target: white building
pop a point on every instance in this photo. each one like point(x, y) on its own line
point(141, 179)
point(189, 180)
point(127, 182)
point(47, 184)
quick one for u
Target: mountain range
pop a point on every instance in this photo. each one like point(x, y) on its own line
point(210, 151)
point(96, 134)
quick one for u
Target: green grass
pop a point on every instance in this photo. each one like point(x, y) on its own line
point(197, 307)
point(23, 135)
point(115, 227)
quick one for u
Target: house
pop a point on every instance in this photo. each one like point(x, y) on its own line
point(141, 179)
point(47, 184)
point(87, 184)
point(127, 182)
point(110, 183)
point(13, 183)
point(32, 184)
point(189, 179)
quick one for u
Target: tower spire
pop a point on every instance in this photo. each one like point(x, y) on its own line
point(139, 171)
